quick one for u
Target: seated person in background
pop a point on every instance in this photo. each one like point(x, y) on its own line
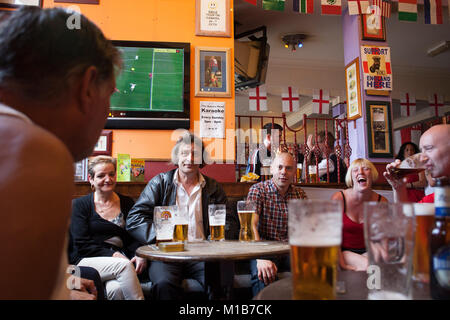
point(415, 182)
point(327, 149)
point(184, 186)
point(98, 238)
point(360, 176)
point(271, 199)
point(261, 157)
point(435, 157)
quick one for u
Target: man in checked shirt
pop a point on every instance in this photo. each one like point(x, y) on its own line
point(271, 197)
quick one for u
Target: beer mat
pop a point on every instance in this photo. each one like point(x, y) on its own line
point(171, 246)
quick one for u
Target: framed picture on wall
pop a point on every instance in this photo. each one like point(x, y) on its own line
point(19, 3)
point(104, 144)
point(212, 18)
point(353, 86)
point(373, 27)
point(379, 129)
point(212, 76)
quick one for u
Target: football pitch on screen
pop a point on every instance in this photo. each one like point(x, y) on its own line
point(151, 80)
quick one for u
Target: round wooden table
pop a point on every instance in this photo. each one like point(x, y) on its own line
point(219, 257)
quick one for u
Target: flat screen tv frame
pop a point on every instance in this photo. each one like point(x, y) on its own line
point(160, 120)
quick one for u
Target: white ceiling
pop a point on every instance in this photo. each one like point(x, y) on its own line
point(324, 47)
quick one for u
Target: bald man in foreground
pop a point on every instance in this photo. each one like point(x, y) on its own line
point(271, 198)
point(435, 157)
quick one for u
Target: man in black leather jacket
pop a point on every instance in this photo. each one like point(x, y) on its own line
point(182, 186)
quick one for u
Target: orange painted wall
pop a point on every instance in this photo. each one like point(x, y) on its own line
point(157, 20)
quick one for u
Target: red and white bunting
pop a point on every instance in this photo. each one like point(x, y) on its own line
point(357, 6)
point(437, 102)
point(290, 100)
point(257, 98)
point(321, 101)
point(407, 105)
point(384, 7)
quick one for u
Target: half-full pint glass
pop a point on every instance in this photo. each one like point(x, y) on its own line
point(247, 214)
point(217, 218)
point(424, 213)
point(181, 224)
point(312, 170)
point(164, 223)
point(315, 235)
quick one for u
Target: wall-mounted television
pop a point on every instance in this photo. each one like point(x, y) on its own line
point(153, 89)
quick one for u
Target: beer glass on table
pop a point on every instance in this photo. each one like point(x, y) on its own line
point(247, 215)
point(163, 218)
point(389, 235)
point(217, 217)
point(315, 236)
point(181, 224)
point(312, 170)
point(424, 213)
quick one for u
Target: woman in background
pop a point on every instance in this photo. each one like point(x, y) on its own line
point(359, 178)
point(416, 182)
point(98, 237)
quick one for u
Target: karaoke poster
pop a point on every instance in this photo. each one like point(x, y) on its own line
point(377, 72)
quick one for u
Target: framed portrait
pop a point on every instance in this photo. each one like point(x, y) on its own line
point(212, 76)
point(379, 129)
point(104, 144)
point(212, 18)
point(19, 3)
point(353, 89)
point(373, 27)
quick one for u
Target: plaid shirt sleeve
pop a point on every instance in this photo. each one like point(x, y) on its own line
point(255, 194)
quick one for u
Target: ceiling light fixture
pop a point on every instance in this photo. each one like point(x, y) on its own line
point(439, 48)
point(293, 41)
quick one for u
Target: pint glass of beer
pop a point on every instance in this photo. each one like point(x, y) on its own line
point(424, 213)
point(315, 235)
point(217, 218)
point(246, 212)
point(163, 218)
point(181, 223)
point(312, 170)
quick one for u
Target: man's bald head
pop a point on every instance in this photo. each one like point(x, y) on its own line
point(435, 147)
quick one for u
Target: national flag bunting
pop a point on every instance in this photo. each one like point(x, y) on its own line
point(432, 11)
point(436, 101)
point(358, 6)
point(407, 105)
point(385, 7)
point(321, 101)
point(253, 2)
point(304, 6)
point(407, 10)
point(331, 7)
point(277, 5)
point(290, 100)
point(257, 99)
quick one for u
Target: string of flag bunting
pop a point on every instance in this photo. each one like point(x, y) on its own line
point(407, 9)
point(290, 101)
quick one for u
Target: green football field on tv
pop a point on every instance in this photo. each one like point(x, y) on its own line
point(151, 80)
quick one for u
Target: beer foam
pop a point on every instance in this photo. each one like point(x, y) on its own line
point(423, 209)
point(315, 242)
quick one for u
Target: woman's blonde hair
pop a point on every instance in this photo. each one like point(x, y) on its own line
point(98, 160)
point(360, 162)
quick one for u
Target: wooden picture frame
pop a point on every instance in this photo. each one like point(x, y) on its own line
point(353, 90)
point(212, 18)
point(379, 129)
point(19, 3)
point(212, 72)
point(373, 27)
point(104, 144)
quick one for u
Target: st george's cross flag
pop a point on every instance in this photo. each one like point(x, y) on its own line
point(331, 7)
point(257, 98)
point(385, 7)
point(290, 100)
point(407, 105)
point(357, 6)
point(436, 101)
point(432, 11)
point(407, 10)
point(304, 6)
point(321, 101)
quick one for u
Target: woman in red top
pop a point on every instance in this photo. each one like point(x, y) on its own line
point(360, 176)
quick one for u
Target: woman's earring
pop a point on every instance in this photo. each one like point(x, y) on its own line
point(92, 187)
